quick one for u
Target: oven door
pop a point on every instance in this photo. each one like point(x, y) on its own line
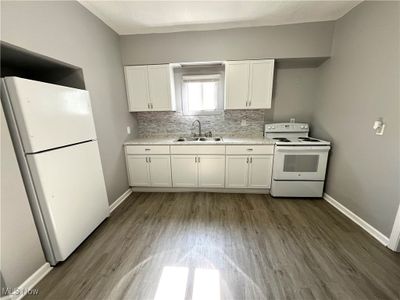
point(300, 162)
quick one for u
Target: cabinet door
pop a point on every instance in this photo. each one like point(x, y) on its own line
point(260, 171)
point(184, 170)
point(211, 171)
point(237, 85)
point(261, 82)
point(237, 170)
point(138, 169)
point(160, 170)
point(137, 88)
point(160, 80)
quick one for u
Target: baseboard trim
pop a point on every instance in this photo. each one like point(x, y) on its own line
point(29, 283)
point(210, 190)
point(120, 199)
point(384, 240)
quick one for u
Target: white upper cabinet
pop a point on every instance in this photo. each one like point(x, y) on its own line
point(137, 87)
point(150, 88)
point(248, 84)
point(161, 88)
point(260, 84)
point(237, 85)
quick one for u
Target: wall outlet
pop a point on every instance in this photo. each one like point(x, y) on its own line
point(128, 129)
point(243, 123)
point(292, 120)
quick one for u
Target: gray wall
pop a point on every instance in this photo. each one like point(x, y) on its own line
point(359, 84)
point(294, 95)
point(284, 41)
point(66, 31)
point(294, 87)
point(21, 252)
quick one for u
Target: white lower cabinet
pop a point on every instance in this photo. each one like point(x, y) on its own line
point(211, 171)
point(184, 170)
point(160, 170)
point(260, 171)
point(138, 170)
point(248, 171)
point(198, 171)
point(153, 170)
point(239, 167)
point(237, 171)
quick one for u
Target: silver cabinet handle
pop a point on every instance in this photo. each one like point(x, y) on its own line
point(251, 160)
point(247, 160)
point(151, 105)
point(147, 149)
point(148, 105)
point(249, 149)
point(147, 160)
point(198, 159)
point(195, 159)
point(249, 103)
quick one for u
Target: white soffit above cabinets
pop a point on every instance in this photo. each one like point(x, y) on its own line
point(139, 17)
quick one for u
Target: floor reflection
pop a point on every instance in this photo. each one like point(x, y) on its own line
point(172, 284)
point(206, 284)
point(197, 273)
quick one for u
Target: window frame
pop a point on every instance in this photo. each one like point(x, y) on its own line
point(209, 76)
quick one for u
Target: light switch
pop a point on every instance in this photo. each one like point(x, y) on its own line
point(243, 123)
point(128, 129)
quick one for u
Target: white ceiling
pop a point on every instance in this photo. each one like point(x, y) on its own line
point(135, 17)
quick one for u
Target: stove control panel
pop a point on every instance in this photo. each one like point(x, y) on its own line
point(286, 127)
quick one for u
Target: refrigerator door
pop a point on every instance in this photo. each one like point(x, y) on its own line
point(49, 115)
point(71, 193)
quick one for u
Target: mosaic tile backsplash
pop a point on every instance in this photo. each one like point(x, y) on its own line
point(174, 124)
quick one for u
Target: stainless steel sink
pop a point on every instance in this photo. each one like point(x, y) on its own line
point(198, 139)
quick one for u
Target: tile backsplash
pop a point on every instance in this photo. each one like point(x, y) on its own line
point(154, 124)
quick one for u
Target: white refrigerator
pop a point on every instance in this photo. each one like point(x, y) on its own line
point(55, 141)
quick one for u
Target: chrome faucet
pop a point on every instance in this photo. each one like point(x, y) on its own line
point(199, 126)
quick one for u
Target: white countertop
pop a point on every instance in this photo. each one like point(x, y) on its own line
point(225, 141)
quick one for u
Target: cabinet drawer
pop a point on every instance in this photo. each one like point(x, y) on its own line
point(198, 149)
point(147, 149)
point(250, 149)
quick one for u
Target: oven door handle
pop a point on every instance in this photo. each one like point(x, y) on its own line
point(302, 148)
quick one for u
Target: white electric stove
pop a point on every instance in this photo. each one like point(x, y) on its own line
point(300, 161)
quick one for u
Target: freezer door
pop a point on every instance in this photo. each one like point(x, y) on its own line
point(49, 115)
point(71, 192)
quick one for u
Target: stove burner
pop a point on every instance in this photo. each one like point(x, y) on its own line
point(282, 139)
point(307, 139)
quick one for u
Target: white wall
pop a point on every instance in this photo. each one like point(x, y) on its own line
point(359, 84)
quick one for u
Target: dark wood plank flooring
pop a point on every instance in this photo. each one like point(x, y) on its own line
point(260, 247)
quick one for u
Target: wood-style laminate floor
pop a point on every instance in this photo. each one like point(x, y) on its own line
point(225, 246)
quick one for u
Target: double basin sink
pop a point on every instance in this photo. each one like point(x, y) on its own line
point(198, 139)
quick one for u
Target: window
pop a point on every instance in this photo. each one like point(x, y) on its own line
point(202, 94)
